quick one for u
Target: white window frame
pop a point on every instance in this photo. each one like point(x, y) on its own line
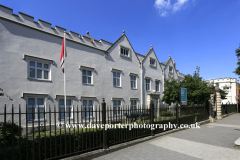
point(116, 77)
point(87, 76)
point(158, 86)
point(133, 106)
point(169, 69)
point(118, 107)
point(149, 84)
point(86, 109)
point(36, 61)
point(152, 60)
point(36, 108)
point(124, 49)
point(68, 106)
point(133, 81)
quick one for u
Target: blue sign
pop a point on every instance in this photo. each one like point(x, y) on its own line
point(183, 94)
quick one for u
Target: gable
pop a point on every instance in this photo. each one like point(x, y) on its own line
point(123, 42)
point(151, 55)
point(166, 69)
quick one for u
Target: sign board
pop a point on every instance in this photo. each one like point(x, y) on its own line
point(183, 96)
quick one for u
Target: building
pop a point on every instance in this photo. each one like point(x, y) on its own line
point(95, 69)
point(228, 84)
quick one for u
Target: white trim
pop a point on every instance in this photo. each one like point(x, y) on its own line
point(125, 48)
point(116, 78)
point(36, 68)
point(86, 75)
point(87, 108)
point(35, 106)
point(133, 81)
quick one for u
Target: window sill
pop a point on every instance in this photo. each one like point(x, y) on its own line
point(62, 119)
point(134, 88)
point(125, 56)
point(117, 87)
point(36, 120)
point(87, 84)
point(154, 66)
point(40, 80)
point(148, 90)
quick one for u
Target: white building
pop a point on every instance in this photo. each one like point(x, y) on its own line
point(95, 69)
point(228, 84)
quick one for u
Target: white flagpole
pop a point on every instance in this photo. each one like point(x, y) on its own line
point(65, 96)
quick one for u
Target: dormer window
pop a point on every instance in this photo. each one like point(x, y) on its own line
point(124, 51)
point(152, 62)
point(170, 69)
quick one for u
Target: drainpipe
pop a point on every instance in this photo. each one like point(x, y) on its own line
point(141, 81)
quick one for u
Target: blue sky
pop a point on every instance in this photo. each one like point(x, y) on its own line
point(202, 33)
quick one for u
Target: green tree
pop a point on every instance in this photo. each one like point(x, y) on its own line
point(197, 89)
point(237, 70)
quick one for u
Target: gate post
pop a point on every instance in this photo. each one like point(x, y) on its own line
point(104, 122)
point(211, 107)
point(177, 115)
point(152, 116)
point(218, 101)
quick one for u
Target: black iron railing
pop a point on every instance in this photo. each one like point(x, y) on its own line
point(43, 134)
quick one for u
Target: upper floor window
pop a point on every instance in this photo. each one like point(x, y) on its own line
point(38, 70)
point(147, 84)
point(152, 62)
point(68, 108)
point(35, 104)
point(86, 77)
point(133, 82)
point(157, 86)
point(116, 79)
point(170, 69)
point(124, 52)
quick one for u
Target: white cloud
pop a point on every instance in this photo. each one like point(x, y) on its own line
point(165, 7)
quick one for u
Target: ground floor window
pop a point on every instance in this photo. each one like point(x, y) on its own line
point(116, 107)
point(133, 104)
point(68, 108)
point(87, 108)
point(34, 105)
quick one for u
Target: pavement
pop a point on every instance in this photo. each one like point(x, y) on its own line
point(211, 141)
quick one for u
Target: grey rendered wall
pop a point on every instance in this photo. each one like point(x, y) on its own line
point(153, 73)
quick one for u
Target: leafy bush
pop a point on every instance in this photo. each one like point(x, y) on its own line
point(12, 132)
point(166, 113)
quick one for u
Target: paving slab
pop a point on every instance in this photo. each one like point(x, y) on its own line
point(211, 141)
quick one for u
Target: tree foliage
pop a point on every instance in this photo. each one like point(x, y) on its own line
point(237, 70)
point(197, 89)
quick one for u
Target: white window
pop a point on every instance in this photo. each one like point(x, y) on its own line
point(35, 104)
point(87, 108)
point(116, 79)
point(86, 77)
point(124, 52)
point(147, 84)
point(38, 70)
point(157, 86)
point(133, 104)
point(133, 82)
point(116, 107)
point(68, 108)
point(152, 62)
point(170, 69)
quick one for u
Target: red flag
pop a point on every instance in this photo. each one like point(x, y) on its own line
point(64, 51)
